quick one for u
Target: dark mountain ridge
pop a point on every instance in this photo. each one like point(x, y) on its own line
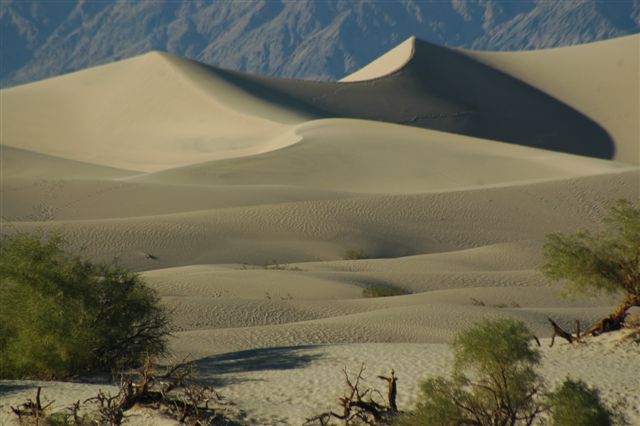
point(305, 39)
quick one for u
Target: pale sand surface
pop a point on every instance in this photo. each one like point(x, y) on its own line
point(145, 114)
point(237, 198)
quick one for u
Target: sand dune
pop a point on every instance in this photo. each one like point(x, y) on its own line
point(382, 226)
point(20, 163)
point(144, 114)
point(238, 197)
point(371, 157)
point(447, 90)
point(386, 64)
point(157, 111)
point(598, 79)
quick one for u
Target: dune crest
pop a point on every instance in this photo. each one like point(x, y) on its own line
point(386, 64)
point(601, 80)
point(143, 114)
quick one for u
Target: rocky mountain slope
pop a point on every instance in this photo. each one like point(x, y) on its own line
point(307, 39)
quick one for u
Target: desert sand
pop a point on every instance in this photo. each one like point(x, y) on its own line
point(237, 197)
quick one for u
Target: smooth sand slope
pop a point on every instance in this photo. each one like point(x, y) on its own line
point(237, 197)
point(373, 157)
point(147, 113)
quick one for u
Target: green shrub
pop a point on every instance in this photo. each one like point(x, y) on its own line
point(61, 315)
point(378, 290)
point(576, 404)
point(592, 263)
point(493, 380)
point(353, 254)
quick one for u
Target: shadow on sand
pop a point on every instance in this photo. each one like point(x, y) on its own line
point(218, 370)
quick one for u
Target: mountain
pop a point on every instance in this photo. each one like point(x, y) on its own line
point(306, 39)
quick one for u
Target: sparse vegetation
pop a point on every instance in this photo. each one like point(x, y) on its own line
point(478, 302)
point(359, 405)
point(62, 316)
point(379, 290)
point(275, 266)
point(355, 254)
point(171, 391)
point(494, 381)
point(605, 262)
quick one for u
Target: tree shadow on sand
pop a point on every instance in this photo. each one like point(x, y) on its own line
point(218, 370)
point(8, 387)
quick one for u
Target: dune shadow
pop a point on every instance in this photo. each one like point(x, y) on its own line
point(218, 370)
point(443, 89)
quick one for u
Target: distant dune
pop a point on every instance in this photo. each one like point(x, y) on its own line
point(158, 111)
point(246, 201)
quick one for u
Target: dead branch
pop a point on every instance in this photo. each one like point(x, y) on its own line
point(358, 405)
point(32, 409)
point(558, 331)
point(173, 391)
point(392, 392)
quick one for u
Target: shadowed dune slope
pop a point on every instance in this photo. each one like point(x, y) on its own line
point(445, 89)
point(601, 80)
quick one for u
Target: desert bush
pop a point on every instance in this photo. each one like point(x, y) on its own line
point(604, 262)
point(377, 290)
point(353, 254)
point(275, 266)
point(61, 315)
point(576, 404)
point(494, 381)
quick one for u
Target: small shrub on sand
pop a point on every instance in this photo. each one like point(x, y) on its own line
point(494, 381)
point(576, 404)
point(61, 315)
point(378, 290)
point(275, 266)
point(353, 254)
point(604, 262)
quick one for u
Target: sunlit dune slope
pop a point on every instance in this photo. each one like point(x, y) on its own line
point(20, 163)
point(148, 113)
point(372, 157)
point(383, 226)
